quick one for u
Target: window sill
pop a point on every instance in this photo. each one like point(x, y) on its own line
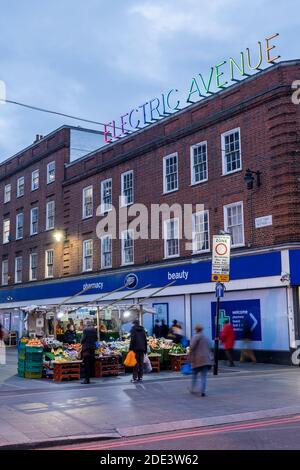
point(170, 192)
point(240, 245)
point(199, 182)
point(87, 270)
point(126, 205)
point(106, 267)
point(232, 172)
point(87, 217)
point(35, 189)
point(170, 257)
point(127, 264)
point(200, 252)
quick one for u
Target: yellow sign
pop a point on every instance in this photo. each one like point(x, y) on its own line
point(220, 277)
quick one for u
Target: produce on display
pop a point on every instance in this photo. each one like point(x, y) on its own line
point(177, 349)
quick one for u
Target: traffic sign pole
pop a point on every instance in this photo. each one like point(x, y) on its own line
point(217, 340)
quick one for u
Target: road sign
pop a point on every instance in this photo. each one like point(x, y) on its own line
point(221, 258)
point(220, 288)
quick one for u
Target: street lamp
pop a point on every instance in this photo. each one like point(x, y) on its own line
point(58, 235)
point(249, 178)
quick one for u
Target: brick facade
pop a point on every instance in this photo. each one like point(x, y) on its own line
point(260, 106)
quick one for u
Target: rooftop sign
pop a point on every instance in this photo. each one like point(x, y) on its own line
point(217, 78)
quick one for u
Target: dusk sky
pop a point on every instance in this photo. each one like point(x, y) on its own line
point(98, 59)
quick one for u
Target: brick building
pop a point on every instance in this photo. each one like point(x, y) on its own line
point(197, 156)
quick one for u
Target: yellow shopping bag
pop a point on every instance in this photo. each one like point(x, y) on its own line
point(130, 360)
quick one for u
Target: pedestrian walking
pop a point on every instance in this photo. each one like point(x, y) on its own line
point(200, 359)
point(228, 339)
point(246, 352)
point(157, 329)
point(138, 344)
point(89, 339)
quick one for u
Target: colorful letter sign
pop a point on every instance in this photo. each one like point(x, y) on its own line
point(221, 258)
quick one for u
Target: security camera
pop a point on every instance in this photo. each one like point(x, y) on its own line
point(285, 277)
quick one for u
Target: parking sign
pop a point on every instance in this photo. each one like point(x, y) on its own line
point(221, 258)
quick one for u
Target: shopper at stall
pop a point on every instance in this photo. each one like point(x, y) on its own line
point(200, 358)
point(70, 335)
point(138, 344)
point(176, 332)
point(164, 329)
point(89, 339)
point(157, 329)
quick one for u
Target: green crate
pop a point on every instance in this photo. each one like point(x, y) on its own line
point(33, 367)
point(21, 372)
point(33, 375)
point(34, 357)
point(21, 364)
point(34, 349)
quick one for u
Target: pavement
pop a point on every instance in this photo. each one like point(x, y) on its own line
point(41, 412)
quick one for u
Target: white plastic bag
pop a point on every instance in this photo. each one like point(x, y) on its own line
point(147, 364)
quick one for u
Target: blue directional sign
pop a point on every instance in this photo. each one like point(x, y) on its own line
point(220, 288)
point(239, 313)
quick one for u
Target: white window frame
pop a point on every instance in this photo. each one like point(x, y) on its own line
point(193, 147)
point(4, 262)
point(165, 185)
point(48, 226)
point(31, 221)
point(103, 266)
point(84, 255)
point(84, 216)
point(224, 161)
point(6, 233)
point(196, 214)
point(226, 228)
point(166, 223)
point(31, 278)
point(124, 202)
point(37, 171)
point(20, 214)
point(19, 184)
point(18, 281)
point(106, 207)
point(7, 193)
point(47, 275)
point(49, 181)
point(123, 239)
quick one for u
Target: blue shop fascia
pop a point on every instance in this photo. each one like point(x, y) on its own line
point(263, 288)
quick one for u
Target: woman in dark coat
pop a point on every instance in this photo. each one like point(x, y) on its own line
point(138, 344)
point(70, 335)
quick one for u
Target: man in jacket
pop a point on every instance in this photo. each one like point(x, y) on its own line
point(89, 339)
point(138, 344)
point(228, 339)
point(200, 358)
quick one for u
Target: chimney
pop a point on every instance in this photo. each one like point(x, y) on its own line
point(38, 137)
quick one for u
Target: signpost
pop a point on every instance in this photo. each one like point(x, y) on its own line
point(219, 274)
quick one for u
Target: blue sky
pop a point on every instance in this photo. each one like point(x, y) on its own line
point(98, 59)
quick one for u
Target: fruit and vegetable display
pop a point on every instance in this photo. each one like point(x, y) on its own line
point(178, 349)
point(112, 348)
point(34, 342)
point(159, 343)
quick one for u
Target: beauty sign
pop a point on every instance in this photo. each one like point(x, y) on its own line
point(216, 78)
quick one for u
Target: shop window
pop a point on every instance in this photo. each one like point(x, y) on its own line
point(7, 193)
point(127, 247)
point(35, 180)
point(34, 216)
point(87, 249)
point(87, 202)
point(106, 195)
point(127, 188)
point(50, 172)
point(106, 251)
point(170, 173)
point(20, 186)
point(18, 269)
point(234, 223)
point(171, 238)
point(200, 232)
point(199, 171)
point(50, 215)
point(19, 226)
point(231, 151)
